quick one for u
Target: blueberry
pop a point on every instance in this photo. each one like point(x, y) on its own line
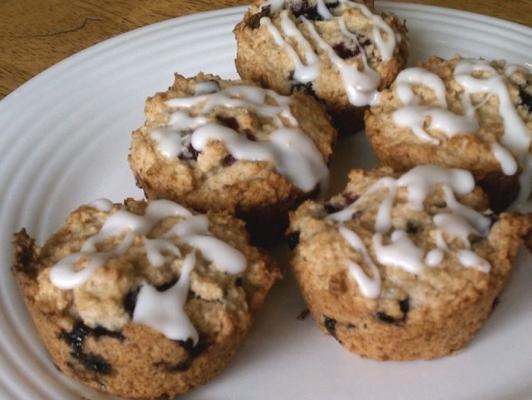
point(303, 8)
point(345, 52)
point(94, 362)
point(250, 135)
point(330, 325)
point(350, 198)
point(292, 239)
point(303, 87)
point(76, 338)
point(332, 5)
point(130, 300)
point(230, 122)
point(474, 239)
point(364, 42)
point(228, 160)
point(526, 98)
point(100, 331)
point(190, 154)
point(382, 316)
point(412, 228)
point(192, 353)
point(404, 306)
point(492, 217)
point(254, 20)
point(332, 208)
point(167, 285)
point(303, 314)
point(441, 204)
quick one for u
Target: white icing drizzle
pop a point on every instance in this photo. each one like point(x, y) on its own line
point(302, 73)
point(164, 311)
point(516, 136)
point(181, 120)
point(238, 145)
point(361, 87)
point(170, 142)
point(383, 222)
point(451, 124)
point(155, 249)
point(369, 286)
point(470, 259)
point(104, 205)
point(292, 152)
point(312, 69)
point(275, 5)
point(414, 116)
point(124, 223)
point(505, 159)
point(455, 225)
point(240, 96)
point(419, 76)
point(460, 222)
point(323, 11)
point(435, 256)
point(386, 46)
point(205, 87)
point(476, 219)
point(299, 159)
point(514, 146)
point(423, 179)
point(419, 181)
point(401, 252)
point(63, 275)
point(195, 232)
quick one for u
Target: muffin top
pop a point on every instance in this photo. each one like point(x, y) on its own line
point(231, 144)
point(155, 264)
point(331, 46)
point(475, 113)
point(391, 243)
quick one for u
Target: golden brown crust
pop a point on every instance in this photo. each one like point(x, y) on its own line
point(136, 361)
point(416, 316)
point(260, 60)
point(244, 188)
point(400, 149)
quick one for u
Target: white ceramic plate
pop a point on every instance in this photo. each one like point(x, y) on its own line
point(64, 139)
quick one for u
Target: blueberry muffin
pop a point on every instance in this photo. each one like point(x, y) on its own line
point(214, 144)
point(403, 267)
point(460, 113)
point(343, 52)
point(143, 300)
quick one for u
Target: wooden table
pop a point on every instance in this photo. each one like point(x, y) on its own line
point(37, 34)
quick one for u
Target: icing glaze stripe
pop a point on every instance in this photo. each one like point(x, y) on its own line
point(292, 152)
point(458, 222)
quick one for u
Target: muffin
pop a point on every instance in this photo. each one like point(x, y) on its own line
point(143, 300)
point(214, 144)
point(341, 51)
point(460, 113)
point(404, 267)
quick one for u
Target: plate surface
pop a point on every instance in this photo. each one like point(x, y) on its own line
point(64, 142)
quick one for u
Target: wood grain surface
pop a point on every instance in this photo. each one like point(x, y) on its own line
point(36, 34)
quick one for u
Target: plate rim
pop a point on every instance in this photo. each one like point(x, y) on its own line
point(49, 72)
